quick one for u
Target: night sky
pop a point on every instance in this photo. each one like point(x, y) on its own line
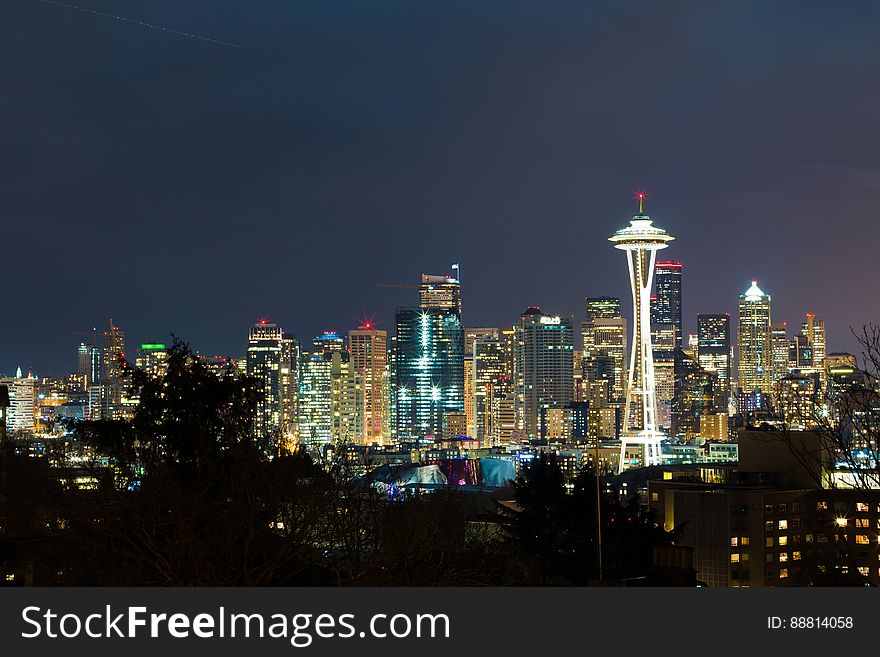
point(182, 186)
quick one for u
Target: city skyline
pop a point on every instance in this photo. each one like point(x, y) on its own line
point(504, 140)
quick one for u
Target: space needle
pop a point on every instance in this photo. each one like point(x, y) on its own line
point(641, 241)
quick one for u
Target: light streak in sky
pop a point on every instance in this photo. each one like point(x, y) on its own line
point(150, 26)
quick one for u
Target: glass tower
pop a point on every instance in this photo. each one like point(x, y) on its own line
point(429, 371)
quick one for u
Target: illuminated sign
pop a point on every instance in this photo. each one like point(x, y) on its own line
point(551, 320)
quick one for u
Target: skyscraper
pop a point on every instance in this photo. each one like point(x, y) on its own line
point(754, 340)
point(88, 365)
point(814, 330)
point(152, 358)
point(604, 339)
point(440, 292)
point(428, 370)
point(666, 304)
point(490, 382)
point(544, 364)
point(781, 352)
point(22, 402)
point(369, 358)
point(641, 241)
point(714, 350)
point(289, 368)
point(264, 365)
point(315, 417)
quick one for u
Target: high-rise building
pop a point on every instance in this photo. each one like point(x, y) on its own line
point(428, 370)
point(22, 402)
point(440, 292)
point(88, 364)
point(800, 354)
point(641, 241)
point(602, 308)
point(471, 335)
point(328, 341)
point(814, 330)
point(663, 338)
point(544, 369)
point(369, 359)
point(695, 396)
point(754, 340)
point(346, 399)
point(113, 373)
point(489, 381)
point(152, 358)
point(666, 303)
point(604, 339)
point(781, 349)
point(289, 368)
point(315, 415)
point(714, 349)
point(264, 365)
point(114, 353)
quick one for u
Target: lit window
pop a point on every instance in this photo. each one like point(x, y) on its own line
point(768, 542)
point(862, 539)
point(796, 556)
point(783, 573)
point(863, 570)
point(861, 507)
point(840, 521)
point(862, 523)
point(808, 538)
point(783, 540)
point(821, 506)
point(783, 524)
point(783, 556)
point(734, 558)
point(734, 542)
point(745, 540)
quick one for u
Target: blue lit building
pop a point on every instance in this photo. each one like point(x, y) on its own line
point(428, 371)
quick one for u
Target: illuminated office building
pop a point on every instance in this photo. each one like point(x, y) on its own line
point(440, 292)
point(800, 354)
point(544, 366)
point(814, 330)
point(696, 397)
point(345, 399)
point(666, 303)
point(20, 415)
point(663, 338)
point(113, 374)
point(328, 341)
point(369, 359)
point(714, 349)
point(428, 369)
point(152, 358)
point(754, 340)
point(604, 340)
point(289, 368)
point(779, 345)
point(641, 241)
point(489, 381)
point(88, 364)
point(316, 399)
point(471, 335)
point(264, 365)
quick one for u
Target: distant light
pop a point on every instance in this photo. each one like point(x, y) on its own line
point(840, 522)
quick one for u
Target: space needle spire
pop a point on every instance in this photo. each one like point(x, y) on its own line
point(641, 241)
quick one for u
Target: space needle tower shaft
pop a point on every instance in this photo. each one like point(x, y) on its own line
point(641, 241)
